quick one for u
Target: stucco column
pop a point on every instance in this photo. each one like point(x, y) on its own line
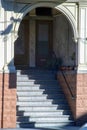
point(82, 41)
point(7, 70)
point(32, 43)
point(9, 43)
point(81, 77)
point(2, 38)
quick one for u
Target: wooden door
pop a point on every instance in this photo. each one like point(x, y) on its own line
point(43, 42)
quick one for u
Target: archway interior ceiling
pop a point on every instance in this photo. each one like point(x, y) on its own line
point(32, 1)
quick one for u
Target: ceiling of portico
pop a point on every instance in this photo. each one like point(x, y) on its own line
point(57, 1)
point(32, 1)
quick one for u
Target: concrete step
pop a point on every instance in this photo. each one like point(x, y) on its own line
point(25, 125)
point(43, 113)
point(53, 125)
point(40, 96)
point(45, 125)
point(30, 93)
point(31, 87)
point(60, 118)
point(40, 85)
point(32, 98)
point(40, 100)
point(36, 77)
point(36, 87)
point(35, 72)
point(35, 103)
point(37, 108)
point(40, 82)
point(35, 81)
point(44, 107)
point(28, 88)
point(50, 94)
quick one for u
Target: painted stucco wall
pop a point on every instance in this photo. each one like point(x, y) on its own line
point(64, 46)
point(32, 43)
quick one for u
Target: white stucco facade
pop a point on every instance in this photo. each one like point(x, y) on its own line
point(11, 15)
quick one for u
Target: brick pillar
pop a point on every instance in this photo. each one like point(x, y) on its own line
point(0, 99)
point(8, 92)
point(71, 80)
point(78, 85)
point(81, 101)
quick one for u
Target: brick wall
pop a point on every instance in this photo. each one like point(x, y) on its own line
point(71, 79)
point(8, 100)
point(78, 85)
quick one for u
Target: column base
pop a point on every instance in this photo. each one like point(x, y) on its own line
point(82, 68)
point(9, 69)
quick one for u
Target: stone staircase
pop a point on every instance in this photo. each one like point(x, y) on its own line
point(40, 100)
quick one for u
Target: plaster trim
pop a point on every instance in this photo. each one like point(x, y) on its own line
point(61, 8)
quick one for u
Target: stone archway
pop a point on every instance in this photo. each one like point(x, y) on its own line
point(60, 8)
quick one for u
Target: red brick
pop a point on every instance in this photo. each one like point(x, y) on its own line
point(71, 79)
point(9, 100)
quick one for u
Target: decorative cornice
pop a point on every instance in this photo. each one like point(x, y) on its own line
point(76, 1)
point(72, 1)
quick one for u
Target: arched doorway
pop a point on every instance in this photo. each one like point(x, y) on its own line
point(45, 35)
point(49, 37)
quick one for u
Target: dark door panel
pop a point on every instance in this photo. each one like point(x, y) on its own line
point(43, 42)
point(22, 45)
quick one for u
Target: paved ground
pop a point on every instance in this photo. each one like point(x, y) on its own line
point(84, 127)
point(61, 128)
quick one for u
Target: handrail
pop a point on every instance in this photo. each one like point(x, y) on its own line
point(68, 86)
